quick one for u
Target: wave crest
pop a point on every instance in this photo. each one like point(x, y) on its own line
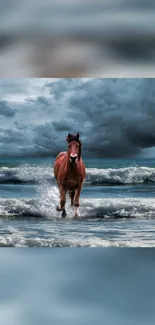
point(121, 176)
point(94, 176)
point(45, 207)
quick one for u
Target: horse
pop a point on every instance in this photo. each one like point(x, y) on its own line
point(70, 172)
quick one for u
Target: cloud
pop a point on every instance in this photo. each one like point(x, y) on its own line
point(115, 117)
point(47, 139)
point(62, 87)
point(5, 110)
point(42, 101)
point(62, 126)
point(120, 113)
point(14, 86)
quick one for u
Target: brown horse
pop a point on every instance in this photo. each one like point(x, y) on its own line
point(69, 171)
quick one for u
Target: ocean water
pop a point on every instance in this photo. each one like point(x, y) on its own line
point(77, 286)
point(117, 204)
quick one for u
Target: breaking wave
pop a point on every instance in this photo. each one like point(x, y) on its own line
point(95, 176)
point(44, 206)
point(26, 174)
point(53, 231)
point(121, 176)
point(18, 240)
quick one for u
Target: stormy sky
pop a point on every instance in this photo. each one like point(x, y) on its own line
point(115, 117)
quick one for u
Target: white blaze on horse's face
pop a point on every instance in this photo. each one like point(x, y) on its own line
point(73, 152)
point(73, 159)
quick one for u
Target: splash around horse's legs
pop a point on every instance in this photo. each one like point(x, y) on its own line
point(59, 209)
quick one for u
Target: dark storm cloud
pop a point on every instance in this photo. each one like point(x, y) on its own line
point(40, 100)
point(120, 112)
point(12, 136)
point(115, 118)
point(14, 142)
point(5, 110)
point(62, 126)
point(50, 137)
point(61, 86)
point(15, 136)
point(43, 100)
point(20, 127)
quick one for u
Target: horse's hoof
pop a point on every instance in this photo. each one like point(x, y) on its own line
point(58, 208)
point(76, 215)
point(63, 214)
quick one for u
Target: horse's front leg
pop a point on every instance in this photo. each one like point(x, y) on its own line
point(76, 201)
point(61, 206)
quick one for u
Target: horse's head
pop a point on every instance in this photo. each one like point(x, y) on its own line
point(74, 147)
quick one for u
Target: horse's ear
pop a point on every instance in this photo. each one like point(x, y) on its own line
point(68, 137)
point(77, 136)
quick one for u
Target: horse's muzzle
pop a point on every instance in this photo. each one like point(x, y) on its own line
point(73, 159)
